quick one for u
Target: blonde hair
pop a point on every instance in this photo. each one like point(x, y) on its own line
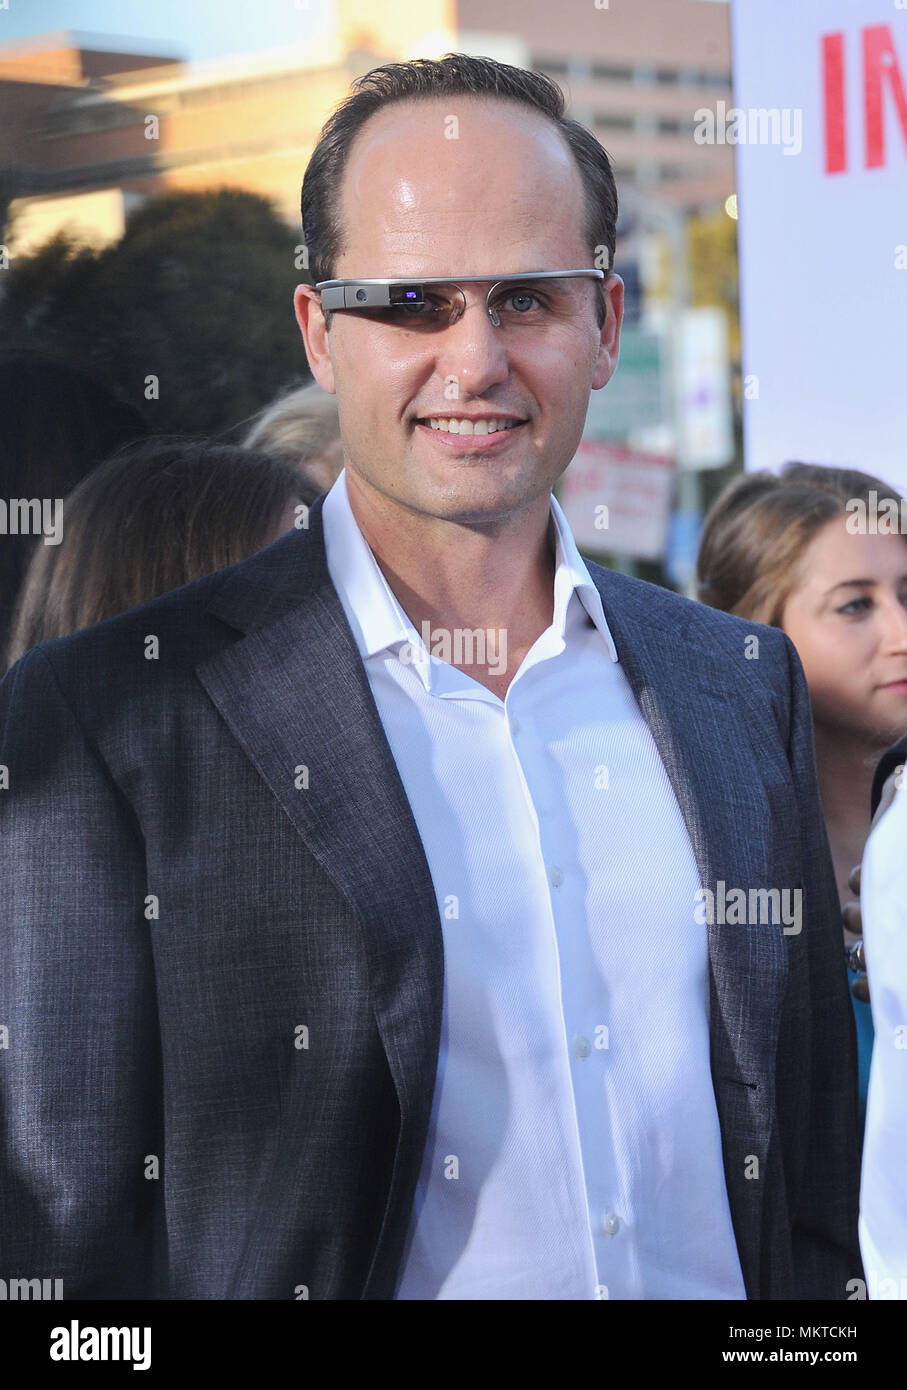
point(301, 428)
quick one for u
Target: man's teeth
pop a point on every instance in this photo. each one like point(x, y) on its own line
point(470, 426)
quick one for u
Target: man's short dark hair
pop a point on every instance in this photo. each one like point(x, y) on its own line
point(454, 75)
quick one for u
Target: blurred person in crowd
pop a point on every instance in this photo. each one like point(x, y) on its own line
point(302, 427)
point(151, 518)
point(427, 814)
point(56, 423)
point(798, 550)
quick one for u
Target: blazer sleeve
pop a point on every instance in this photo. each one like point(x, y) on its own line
point(80, 1072)
point(826, 1252)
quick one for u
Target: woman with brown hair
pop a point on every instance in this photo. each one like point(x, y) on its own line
point(817, 552)
point(151, 518)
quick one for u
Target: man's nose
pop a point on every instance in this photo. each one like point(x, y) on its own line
point(472, 352)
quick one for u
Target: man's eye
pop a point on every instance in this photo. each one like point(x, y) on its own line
point(432, 309)
point(406, 316)
point(522, 301)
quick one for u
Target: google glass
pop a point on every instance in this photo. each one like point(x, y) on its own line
point(531, 297)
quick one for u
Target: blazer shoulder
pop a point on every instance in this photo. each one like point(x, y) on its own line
point(647, 602)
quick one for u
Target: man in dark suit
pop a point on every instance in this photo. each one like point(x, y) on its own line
point(413, 910)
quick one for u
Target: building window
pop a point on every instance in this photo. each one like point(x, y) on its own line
point(610, 73)
point(609, 122)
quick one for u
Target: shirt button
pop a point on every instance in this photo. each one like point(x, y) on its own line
point(557, 876)
point(581, 1046)
point(610, 1223)
point(514, 725)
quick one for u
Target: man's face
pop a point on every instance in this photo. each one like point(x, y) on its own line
point(504, 196)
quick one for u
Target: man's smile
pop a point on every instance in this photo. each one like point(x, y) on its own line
point(473, 433)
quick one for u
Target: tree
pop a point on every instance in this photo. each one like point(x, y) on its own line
point(189, 314)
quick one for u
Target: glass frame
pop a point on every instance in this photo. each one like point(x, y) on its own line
point(381, 293)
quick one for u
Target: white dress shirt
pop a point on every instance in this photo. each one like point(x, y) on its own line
point(883, 1188)
point(574, 1149)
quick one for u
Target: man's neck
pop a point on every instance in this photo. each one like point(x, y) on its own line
point(450, 576)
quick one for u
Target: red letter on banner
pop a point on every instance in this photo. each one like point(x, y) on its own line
point(880, 61)
point(833, 86)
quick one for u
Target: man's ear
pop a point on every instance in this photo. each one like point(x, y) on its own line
point(609, 346)
point(310, 317)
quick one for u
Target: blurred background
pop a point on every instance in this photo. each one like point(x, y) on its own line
point(149, 215)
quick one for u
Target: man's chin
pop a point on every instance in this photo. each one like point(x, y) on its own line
point(463, 491)
point(489, 500)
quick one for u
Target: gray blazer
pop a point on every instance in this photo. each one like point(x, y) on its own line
point(221, 961)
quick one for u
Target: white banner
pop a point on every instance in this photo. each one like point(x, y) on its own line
point(820, 125)
point(705, 434)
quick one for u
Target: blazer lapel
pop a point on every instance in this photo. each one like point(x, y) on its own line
point(295, 694)
point(678, 684)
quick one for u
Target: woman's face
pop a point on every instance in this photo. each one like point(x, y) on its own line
point(847, 617)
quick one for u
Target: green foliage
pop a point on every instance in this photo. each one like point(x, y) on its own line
point(197, 292)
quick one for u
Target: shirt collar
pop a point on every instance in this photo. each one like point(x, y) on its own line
point(571, 576)
point(375, 616)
